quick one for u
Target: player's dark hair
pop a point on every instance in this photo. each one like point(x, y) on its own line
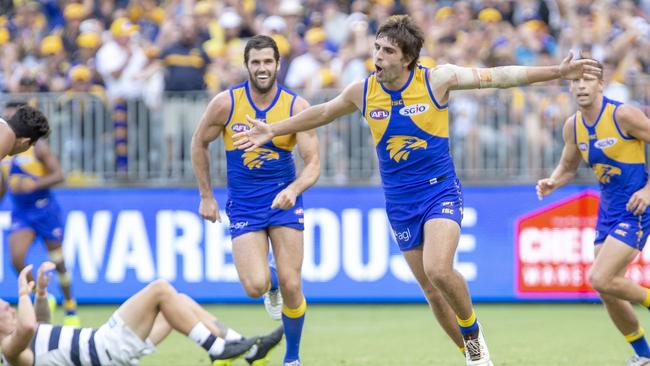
point(260, 42)
point(29, 122)
point(403, 31)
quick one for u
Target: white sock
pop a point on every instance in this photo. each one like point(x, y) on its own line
point(228, 333)
point(204, 338)
point(232, 335)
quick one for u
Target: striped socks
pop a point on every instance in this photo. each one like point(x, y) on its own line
point(469, 325)
point(204, 338)
point(638, 342)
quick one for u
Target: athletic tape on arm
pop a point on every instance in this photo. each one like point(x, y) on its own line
point(496, 77)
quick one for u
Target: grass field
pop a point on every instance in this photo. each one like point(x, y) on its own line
point(406, 335)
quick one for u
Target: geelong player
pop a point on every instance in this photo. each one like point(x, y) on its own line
point(611, 138)
point(264, 195)
point(405, 105)
point(142, 322)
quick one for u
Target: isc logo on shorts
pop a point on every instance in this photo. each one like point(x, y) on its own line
point(448, 211)
point(403, 235)
point(620, 232)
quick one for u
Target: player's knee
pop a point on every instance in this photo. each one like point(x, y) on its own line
point(161, 287)
point(255, 287)
point(290, 284)
point(600, 282)
point(439, 275)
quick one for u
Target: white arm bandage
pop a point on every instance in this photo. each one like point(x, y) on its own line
point(502, 77)
point(472, 78)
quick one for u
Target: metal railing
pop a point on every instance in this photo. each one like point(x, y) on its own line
point(497, 136)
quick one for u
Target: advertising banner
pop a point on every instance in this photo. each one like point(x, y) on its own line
point(513, 247)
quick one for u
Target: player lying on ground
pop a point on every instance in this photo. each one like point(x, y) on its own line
point(139, 324)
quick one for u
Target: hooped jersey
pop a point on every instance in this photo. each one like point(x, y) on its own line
point(617, 160)
point(55, 345)
point(410, 130)
point(257, 173)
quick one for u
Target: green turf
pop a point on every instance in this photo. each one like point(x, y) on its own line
point(406, 335)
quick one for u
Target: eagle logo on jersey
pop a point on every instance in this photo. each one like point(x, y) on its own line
point(605, 172)
point(257, 157)
point(400, 146)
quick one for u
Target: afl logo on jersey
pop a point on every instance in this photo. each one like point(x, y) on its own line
point(583, 146)
point(379, 114)
point(413, 109)
point(240, 127)
point(605, 143)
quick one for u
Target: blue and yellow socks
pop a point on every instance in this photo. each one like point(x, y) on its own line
point(469, 325)
point(638, 342)
point(293, 319)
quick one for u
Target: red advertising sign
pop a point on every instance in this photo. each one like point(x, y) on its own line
point(555, 250)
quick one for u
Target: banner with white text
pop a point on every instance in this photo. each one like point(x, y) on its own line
point(513, 247)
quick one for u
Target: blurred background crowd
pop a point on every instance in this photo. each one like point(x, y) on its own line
point(142, 50)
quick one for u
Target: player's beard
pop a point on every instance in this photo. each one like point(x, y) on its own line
point(262, 89)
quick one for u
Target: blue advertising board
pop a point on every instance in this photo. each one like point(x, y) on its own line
point(118, 240)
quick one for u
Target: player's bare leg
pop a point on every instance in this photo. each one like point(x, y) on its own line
point(19, 243)
point(160, 329)
point(624, 318)
point(440, 243)
point(141, 310)
point(250, 253)
point(440, 307)
point(607, 273)
point(288, 249)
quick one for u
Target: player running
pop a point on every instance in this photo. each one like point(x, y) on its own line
point(28, 177)
point(405, 105)
point(611, 137)
point(264, 195)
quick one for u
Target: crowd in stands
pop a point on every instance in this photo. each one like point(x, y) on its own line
point(131, 47)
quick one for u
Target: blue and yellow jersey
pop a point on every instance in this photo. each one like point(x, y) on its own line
point(410, 130)
point(25, 166)
point(617, 160)
point(261, 171)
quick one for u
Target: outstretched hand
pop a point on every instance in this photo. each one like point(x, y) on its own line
point(255, 137)
point(585, 68)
